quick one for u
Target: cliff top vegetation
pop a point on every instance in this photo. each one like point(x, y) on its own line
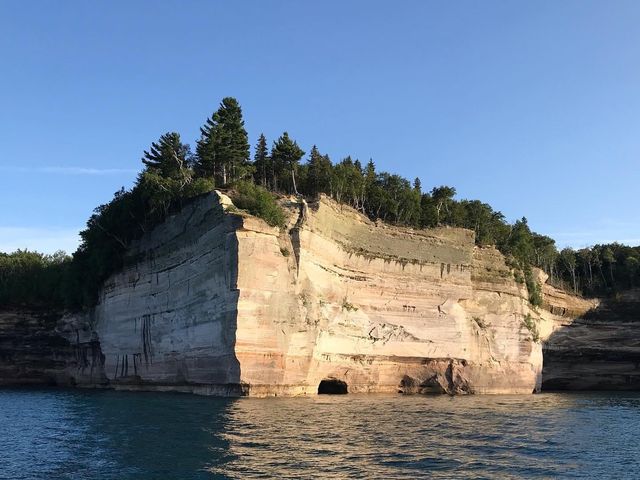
point(173, 175)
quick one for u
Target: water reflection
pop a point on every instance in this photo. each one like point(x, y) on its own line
point(433, 437)
point(53, 434)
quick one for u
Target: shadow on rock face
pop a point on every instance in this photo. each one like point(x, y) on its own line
point(600, 351)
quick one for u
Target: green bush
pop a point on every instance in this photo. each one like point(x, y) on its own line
point(530, 324)
point(60, 282)
point(258, 201)
point(533, 287)
point(523, 274)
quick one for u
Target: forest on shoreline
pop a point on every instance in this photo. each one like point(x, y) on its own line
point(173, 175)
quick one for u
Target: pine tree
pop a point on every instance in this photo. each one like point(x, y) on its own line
point(319, 178)
point(223, 149)
point(168, 156)
point(286, 155)
point(261, 162)
point(366, 194)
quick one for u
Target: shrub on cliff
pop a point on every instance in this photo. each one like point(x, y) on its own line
point(113, 226)
point(533, 287)
point(258, 201)
point(530, 324)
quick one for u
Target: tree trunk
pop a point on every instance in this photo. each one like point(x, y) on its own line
point(293, 178)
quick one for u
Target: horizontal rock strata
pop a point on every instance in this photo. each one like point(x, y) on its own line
point(599, 351)
point(215, 301)
point(32, 351)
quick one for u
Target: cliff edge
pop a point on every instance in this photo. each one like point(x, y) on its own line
point(215, 301)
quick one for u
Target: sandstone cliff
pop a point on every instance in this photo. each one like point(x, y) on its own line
point(32, 352)
point(215, 301)
point(598, 351)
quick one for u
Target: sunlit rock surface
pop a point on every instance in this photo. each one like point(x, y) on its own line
point(217, 302)
point(214, 301)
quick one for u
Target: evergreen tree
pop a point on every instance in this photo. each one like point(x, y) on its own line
point(369, 176)
point(261, 163)
point(286, 155)
point(169, 157)
point(222, 152)
point(319, 173)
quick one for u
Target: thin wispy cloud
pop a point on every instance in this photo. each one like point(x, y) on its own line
point(60, 170)
point(42, 239)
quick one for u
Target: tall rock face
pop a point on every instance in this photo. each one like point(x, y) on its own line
point(598, 351)
point(214, 301)
point(34, 351)
point(382, 309)
point(168, 320)
point(31, 352)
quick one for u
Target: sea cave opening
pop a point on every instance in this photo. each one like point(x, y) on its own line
point(332, 386)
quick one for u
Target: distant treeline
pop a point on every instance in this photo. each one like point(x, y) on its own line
point(173, 175)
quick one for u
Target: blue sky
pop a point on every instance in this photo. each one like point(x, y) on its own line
point(533, 107)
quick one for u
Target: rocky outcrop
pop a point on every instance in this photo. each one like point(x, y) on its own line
point(215, 301)
point(598, 351)
point(34, 352)
point(168, 320)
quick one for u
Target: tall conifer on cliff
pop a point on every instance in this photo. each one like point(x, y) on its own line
point(168, 156)
point(286, 155)
point(262, 163)
point(222, 152)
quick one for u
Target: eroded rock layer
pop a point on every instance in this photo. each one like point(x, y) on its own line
point(214, 301)
point(599, 351)
point(33, 352)
point(168, 320)
point(380, 308)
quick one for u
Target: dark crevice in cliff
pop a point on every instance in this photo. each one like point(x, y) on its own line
point(294, 236)
point(294, 232)
point(146, 338)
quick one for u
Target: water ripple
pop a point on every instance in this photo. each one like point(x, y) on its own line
point(67, 434)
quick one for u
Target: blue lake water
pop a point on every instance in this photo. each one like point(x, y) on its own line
point(75, 434)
